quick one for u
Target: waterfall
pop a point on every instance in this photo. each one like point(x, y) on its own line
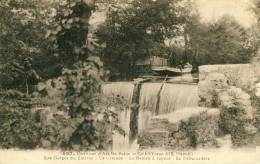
point(148, 100)
point(178, 96)
point(124, 90)
point(172, 97)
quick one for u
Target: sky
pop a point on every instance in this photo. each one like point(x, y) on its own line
point(211, 10)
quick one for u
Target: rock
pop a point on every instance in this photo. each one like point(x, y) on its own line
point(225, 141)
point(46, 144)
point(182, 129)
point(188, 78)
point(162, 124)
point(153, 138)
point(181, 114)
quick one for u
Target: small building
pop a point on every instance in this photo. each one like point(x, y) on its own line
point(159, 66)
point(145, 65)
point(159, 62)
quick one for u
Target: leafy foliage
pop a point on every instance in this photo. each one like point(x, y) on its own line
point(19, 124)
point(135, 30)
point(40, 40)
point(69, 32)
point(21, 38)
point(85, 119)
point(219, 43)
point(237, 112)
point(237, 116)
point(210, 88)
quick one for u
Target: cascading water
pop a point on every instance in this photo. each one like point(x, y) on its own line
point(172, 97)
point(178, 96)
point(124, 90)
point(148, 101)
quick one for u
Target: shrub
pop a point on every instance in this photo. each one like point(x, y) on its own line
point(24, 125)
point(85, 119)
point(237, 116)
point(209, 89)
point(198, 129)
point(19, 125)
point(255, 97)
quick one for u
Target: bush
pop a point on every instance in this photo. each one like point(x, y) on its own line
point(24, 125)
point(172, 131)
point(237, 116)
point(209, 89)
point(19, 125)
point(85, 119)
point(255, 97)
point(199, 130)
point(81, 132)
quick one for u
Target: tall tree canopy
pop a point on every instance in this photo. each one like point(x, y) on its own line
point(224, 41)
point(256, 9)
point(38, 39)
point(22, 31)
point(133, 31)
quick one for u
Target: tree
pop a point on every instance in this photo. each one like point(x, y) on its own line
point(85, 119)
point(39, 40)
point(218, 43)
point(23, 25)
point(66, 36)
point(256, 9)
point(132, 32)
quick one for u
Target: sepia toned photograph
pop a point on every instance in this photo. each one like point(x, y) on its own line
point(135, 81)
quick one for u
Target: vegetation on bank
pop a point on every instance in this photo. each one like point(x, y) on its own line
point(40, 43)
point(237, 105)
point(45, 40)
point(135, 31)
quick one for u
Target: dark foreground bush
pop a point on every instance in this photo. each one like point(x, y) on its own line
point(25, 125)
point(19, 125)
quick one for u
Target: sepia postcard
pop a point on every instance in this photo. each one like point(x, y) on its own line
point(130, 81)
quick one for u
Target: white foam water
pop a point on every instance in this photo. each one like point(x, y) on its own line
point(172, 97)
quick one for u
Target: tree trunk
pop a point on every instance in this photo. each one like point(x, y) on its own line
point(134, 112)
point(27, 87)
